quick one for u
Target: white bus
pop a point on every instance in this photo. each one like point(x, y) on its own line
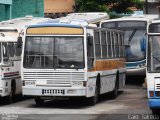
point(67, 60)
point(135, 28)
point(153, 66)
point(10, 55)
point(91, 18)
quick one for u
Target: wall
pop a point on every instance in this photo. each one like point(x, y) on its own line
point(2, 13)
point(5, 9)
point(6, 2)
point(21, 8)
point(58, 6)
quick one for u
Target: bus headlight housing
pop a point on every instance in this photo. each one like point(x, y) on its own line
point(77, 84)
point(29, 83)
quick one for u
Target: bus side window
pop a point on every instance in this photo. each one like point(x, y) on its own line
point(112, 44)
point(97, 45)
point(116, 44)
point(11, 49)
point(103, 43)
point(18, 50)
point(123, 44)
point(5, 53)
point(90, 51)
point(120, 45)
point(109, 44)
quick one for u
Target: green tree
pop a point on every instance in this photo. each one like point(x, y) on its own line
point(122, 6)
point(118, 6)
point(90, 6)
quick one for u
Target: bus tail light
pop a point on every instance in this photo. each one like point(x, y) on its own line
point(151, 93)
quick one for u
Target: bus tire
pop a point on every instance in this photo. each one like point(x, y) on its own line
point(114, 93)
point(38, 101)
point(11, 97)
point(93, 100)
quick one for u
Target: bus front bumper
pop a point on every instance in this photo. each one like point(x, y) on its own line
point(53, 91)
point(4, 92)
point(136, 71)
point(154, 103)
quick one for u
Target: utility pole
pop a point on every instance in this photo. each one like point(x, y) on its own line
point(146, 6)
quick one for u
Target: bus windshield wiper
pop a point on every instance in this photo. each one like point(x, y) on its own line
point(131, 36)
point(156, 58)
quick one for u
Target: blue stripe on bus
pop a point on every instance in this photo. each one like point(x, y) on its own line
point(54, 25)
point(134, 64)
point(154, 103)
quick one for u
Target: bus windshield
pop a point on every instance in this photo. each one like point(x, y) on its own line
point(54, 52)
point(154, 51)
point(135, 38)
point(135, 42)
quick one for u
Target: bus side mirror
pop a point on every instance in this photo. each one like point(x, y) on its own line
point(19, 42)
point(90, 40)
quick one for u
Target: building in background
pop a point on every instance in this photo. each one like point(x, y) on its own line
point(19, 8)
point(5, 8)
point(152, 7)
point(58, 8)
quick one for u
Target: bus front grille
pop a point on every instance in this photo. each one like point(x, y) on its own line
point(54, 79)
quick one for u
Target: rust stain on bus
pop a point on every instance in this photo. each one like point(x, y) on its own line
point(108, 64)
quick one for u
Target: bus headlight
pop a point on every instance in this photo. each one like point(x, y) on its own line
point(77, 84)
point(29, 83)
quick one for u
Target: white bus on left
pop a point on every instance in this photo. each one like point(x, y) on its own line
point(10, 55)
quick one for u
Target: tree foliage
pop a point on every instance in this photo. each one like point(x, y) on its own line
point(118, 6)
point(122, 6)
point(90, 6)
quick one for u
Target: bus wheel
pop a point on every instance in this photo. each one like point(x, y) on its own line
point(114, 93)
point(11, 96)
point(39, 101)
point(93, 100)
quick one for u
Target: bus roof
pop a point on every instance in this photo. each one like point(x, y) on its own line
point(134, 18)
point(8, 38)
point(83, 19)
point(19, 23)
point(50, 24)
point(155, 21)
point(90, 17)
